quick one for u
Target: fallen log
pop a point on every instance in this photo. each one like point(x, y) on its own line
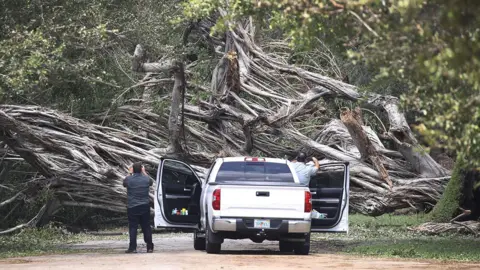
point(465, 227)
point(354, 123)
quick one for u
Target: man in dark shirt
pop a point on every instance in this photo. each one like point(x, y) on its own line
point(138, 189)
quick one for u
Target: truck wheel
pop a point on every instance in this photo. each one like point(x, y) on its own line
point(303, 248)
point(285, 246)
point(198, 242)
point(211, 248)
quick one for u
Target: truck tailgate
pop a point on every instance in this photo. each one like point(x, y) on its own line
point(262, 201)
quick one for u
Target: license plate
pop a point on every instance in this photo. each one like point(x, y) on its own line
point(261, 223)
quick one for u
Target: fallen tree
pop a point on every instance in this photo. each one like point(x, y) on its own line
point(257, 104)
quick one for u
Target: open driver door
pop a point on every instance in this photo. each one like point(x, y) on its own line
point(177, 187)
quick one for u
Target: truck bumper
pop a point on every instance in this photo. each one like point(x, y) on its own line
point(246, 225)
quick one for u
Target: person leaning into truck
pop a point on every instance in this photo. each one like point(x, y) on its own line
point(138, 189)
point(305, 171)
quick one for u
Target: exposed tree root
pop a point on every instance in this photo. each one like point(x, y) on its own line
point(465, 227)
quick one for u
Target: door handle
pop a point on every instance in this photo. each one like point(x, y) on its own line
point(263, 194)
point(314, 193)
point(187, 190)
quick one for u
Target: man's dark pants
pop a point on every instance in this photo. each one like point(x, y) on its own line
point(139, 215)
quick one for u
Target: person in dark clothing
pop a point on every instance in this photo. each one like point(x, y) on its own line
point(138, 209)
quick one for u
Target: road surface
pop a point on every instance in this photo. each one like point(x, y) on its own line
point(176, 252)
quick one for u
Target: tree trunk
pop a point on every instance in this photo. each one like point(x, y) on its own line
point(354, 123)
point(449, 205)
point(403, 137)
point(461, 193)
point(174, 128)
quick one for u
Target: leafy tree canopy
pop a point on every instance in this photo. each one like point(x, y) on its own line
point(75, 54)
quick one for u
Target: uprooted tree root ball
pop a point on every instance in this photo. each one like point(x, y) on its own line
point(257, 104)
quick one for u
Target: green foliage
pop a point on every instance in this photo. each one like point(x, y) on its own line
point(28, 59)
point(75, 55)
point(298, 18)
point(49, 56)
point(161, 106)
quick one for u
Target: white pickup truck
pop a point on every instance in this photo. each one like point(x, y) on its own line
point(251, 198)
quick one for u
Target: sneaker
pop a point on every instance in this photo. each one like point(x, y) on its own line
point(149, 250)
point(130, 251)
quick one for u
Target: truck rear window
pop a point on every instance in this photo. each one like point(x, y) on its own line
point(254, 172)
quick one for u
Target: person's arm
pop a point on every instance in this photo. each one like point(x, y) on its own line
point(125, 181)
point(316, 166)
point(144, 172)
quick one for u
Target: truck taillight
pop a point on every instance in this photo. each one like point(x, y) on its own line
point(308, 202)
point(216, 199)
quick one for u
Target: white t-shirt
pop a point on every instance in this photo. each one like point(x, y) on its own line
point(304, 171)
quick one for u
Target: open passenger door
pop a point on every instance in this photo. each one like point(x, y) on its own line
point(330, 197)
point(177, 187)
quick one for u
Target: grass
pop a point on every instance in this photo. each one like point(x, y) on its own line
point(388, 236)
point(35, 242)
point(442, 249)
point(384, 236)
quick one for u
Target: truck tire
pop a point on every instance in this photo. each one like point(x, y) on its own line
point(198, 242)
point(211, 248)
point(303, 248)
point(285, 246)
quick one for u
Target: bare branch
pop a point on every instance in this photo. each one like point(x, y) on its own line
point(364, 23)
point(17, 196)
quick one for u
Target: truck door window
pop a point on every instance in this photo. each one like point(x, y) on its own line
point(254, 172)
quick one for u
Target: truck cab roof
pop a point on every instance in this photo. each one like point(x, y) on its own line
point(259, 159)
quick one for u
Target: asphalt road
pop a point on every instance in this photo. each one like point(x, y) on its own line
point(176, 252)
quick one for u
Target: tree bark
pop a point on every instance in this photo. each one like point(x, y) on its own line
point(354, 123)
point(403, 137)
point(139, 64)
point(175, 130)
point(452, 199)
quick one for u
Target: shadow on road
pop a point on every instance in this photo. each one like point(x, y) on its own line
point(253, 252)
